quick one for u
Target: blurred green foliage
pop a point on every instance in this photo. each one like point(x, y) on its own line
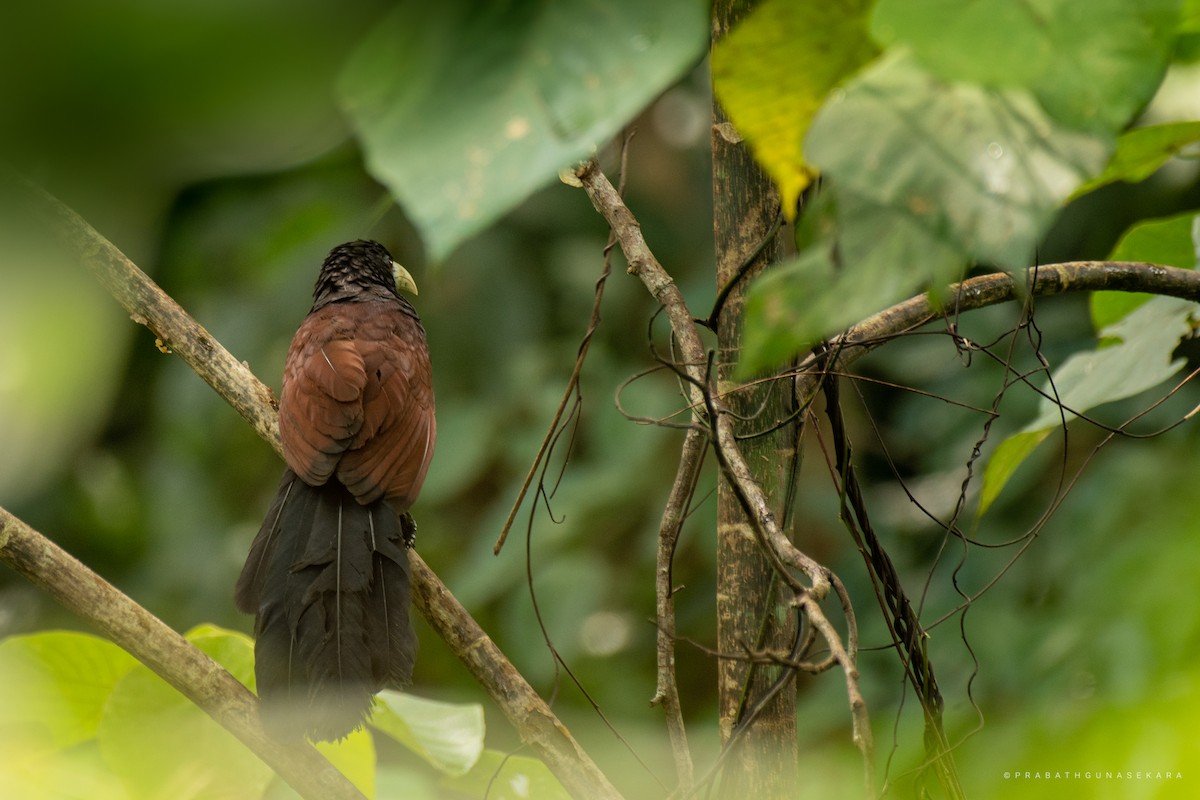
point(206, 141)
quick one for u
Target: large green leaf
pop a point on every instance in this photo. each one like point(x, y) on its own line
point(449, 736)
point(466, 108)
point(925, 177)
point(981, 170)
point(161, 745)
point(1091, 65)
point(1140, 359)
point(774, 70)
point(65, 691)
point(55, 684)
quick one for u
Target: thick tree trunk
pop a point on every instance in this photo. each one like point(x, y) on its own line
point(752, 612)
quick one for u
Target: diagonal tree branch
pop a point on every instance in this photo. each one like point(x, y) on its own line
point(148, 305)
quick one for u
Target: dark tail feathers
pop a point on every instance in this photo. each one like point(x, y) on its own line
point(328, 580)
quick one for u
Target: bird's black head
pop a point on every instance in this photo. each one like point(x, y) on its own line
point(359, 271)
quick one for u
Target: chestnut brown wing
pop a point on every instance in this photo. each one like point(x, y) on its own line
point(357, 402)
point(390, 455)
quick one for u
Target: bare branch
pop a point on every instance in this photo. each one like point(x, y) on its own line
point(666, 691)
point(150, 306)
point(644, 266)
point(989, 290)
point(529, 714)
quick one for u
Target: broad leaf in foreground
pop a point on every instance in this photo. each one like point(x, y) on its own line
point(448, 736)
point(464, 109)
point(1090, 65)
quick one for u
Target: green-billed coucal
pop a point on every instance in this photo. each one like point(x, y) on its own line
point(327, 576)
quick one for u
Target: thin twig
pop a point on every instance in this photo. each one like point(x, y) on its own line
point(570, 391)
point(666, 693)
point(572, 387)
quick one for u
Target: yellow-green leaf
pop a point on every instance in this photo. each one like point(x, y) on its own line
point(1008, 455)
point(775, 69)
point(55, 685)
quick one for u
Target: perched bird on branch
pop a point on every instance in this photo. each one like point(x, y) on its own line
point(327, 575)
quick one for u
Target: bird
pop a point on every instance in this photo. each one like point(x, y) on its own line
point(327, 576)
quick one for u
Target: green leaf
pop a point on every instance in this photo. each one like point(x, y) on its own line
point(1140, 152)
point(802, 300)
point(1190, 17)
point(464, 109)
point(162, 745)
point(232, 650)
point(449, 736)
point(55, 685)
point(1141, 359)
point(1171, 241)
point(1005, 459)
point(1091, 65)
point(775, 69)
point(355, 758)
point(925, 177)
point(499, 776)
point(982, 170)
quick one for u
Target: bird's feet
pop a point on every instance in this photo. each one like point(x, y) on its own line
point(408, 528)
